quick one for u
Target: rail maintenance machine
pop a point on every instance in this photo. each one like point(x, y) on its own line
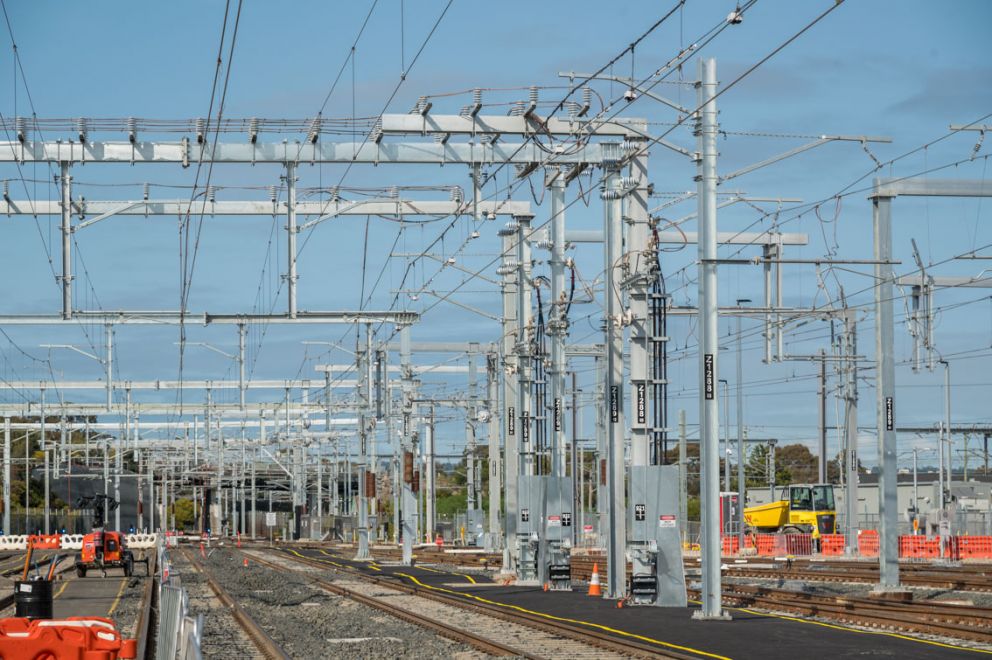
point(655, 545)
point(544, 531)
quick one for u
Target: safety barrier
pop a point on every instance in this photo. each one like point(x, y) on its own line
point(972, 547)
point(919, 547)
point(731, 544)
point(868, 543)
point(45, 541)
point(71, 542)
point(832, 545)
point(74, 637)
point(19, 542)
point(775, 545)
point(142, 540)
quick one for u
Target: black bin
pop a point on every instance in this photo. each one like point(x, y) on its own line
point(33, 599)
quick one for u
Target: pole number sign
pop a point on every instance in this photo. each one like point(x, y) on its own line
point(708, 375)
point(639, 512)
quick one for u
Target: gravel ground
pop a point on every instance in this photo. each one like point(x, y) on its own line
point(310, 623)
point(129, 607)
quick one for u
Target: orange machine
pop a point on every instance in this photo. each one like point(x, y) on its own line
point(103, 550)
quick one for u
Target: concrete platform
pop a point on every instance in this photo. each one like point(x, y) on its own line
point(749, 634)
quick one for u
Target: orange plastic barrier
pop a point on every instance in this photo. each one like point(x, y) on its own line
point(45, 541)
point(832, 545)
point(868, 543)
point(972, 547)
point(74, 637)
point(774, 545)
point(919, 547)
point(731, 545)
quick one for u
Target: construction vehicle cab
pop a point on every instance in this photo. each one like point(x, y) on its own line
point(103, 550)
point(800, 509)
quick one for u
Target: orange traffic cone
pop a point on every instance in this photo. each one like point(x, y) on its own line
point(203, 553)
point(594, 589)
point(246, 562)
point(239, 539)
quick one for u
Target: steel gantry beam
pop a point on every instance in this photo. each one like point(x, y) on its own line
point(153, 317)
point(885, 190)
point(278, 153)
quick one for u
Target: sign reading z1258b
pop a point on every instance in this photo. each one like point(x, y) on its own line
point(708, 375)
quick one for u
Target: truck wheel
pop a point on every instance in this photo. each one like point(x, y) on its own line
point(792, 530)
point(81, 571)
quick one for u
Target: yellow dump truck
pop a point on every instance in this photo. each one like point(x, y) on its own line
point(800, 509)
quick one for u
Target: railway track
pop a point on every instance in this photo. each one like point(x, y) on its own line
point(236, 634)
point(956, 621)
point(541, 637)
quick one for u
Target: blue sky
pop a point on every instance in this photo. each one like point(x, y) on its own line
point(905, 70)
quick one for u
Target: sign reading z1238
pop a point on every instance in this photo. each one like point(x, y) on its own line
point(708, 375)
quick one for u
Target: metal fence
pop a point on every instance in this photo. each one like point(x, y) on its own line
point(73, 521)
point(179, 635)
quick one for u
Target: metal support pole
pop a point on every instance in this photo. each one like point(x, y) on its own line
point(508, 417)
point(558, 326)
point(740, 434)
point(683, 479)
point(291, 237)
point(851, 434)
point(109, 364)
point(523, 346)
point(430, 497)
point(885, 387)
point(494, 538)
point(6, 476)
point(66, 203)
point(709, 408)
point(947, 422)
point(241, 365)
point(822, 453)
point(364, 421)
point(48, 484)
point(642, 330)
point(613, 340)
point(471, 494)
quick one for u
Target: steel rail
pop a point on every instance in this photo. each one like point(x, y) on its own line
point(593, 638)
point(265, 644)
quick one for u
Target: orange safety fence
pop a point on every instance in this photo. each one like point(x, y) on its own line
point(868, 543)
point(774, 545)
point(832, 545)
point(45, 541)
point(731, 545)
point(919, 547)
point(972, 547)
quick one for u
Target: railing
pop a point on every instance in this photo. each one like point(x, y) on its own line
point(179, 635)
point(831, 545)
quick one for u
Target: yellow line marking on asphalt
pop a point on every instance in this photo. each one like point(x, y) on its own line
point(117, 600)
point(435, 570)
point(61, 589)
point(864, 632)
point(552, 617)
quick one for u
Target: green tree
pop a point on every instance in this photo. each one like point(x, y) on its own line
point(182, 510)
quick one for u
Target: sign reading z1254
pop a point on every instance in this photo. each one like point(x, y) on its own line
point(708, 375)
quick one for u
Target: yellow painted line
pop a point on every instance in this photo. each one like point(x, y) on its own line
point(857, 630)
point(323, 561)
point(435, 570)
point(552, 617)
point(117, 600)
point(61, 589)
